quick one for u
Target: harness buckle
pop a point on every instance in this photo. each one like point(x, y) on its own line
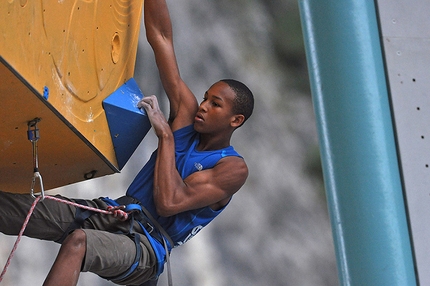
point(150, 228)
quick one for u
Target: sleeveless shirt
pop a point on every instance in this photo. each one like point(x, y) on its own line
point(182, 226)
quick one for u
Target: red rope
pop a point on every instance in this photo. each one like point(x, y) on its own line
point(117, 212)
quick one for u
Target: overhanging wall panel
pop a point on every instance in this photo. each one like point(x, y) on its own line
point(81, 52)
point(405, 27)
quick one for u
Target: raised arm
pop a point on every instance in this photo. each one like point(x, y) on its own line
point(211, 187)
point(183, 104)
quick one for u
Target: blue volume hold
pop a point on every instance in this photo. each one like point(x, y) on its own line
point(128, 124)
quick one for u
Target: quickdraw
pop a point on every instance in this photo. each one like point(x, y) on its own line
point(34, 136)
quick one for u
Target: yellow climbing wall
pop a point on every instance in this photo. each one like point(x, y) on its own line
point(80, 51)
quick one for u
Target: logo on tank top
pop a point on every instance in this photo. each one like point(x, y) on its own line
point(193, 232)
point(198, 166)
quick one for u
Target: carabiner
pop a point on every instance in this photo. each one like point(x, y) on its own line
point(37, 175)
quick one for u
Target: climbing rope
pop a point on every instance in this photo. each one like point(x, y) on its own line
point(19, 237)
point(116, 212)
point(110, 211)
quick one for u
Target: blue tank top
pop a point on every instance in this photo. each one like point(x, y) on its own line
point(182, 226)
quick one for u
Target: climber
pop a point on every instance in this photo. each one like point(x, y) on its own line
point(186, 183)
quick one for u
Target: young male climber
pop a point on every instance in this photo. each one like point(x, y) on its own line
point(186, 183)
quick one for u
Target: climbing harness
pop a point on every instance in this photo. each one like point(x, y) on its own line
point(34, 136)
point(158, 238)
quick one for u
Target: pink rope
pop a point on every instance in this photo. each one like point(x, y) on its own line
point(82, 206)
point(123, 214)
point(19, 237)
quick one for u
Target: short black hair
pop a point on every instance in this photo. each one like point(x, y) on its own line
point(244, 100)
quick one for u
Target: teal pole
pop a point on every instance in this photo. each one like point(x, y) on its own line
point(358, 150)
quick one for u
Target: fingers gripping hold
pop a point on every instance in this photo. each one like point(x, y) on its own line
point(148, 102)
point(155, 115)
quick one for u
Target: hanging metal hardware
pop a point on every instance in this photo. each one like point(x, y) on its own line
point(34, 136)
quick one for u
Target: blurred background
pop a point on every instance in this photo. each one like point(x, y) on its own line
point(276, 230)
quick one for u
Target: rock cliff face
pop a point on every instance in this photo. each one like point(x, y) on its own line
point(276, 230)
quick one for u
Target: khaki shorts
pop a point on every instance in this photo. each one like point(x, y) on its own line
point(108, 254)
point(113, 254)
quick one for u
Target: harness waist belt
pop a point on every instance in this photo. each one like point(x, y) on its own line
point(145, 218)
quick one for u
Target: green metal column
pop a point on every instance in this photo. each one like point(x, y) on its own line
point(361, 170)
